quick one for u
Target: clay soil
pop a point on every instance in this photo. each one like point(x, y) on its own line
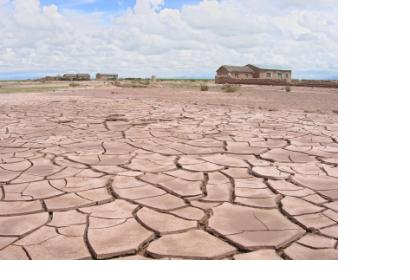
point(166, 171)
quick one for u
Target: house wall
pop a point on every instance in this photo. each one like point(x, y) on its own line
point(273, 82)
point(286, 75)
point(69, 77)
point(76, 77)
point(237, 75)
point(83, 77)
point(275, 75)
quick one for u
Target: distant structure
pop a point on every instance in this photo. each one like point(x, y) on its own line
point(76, 77)
point(106, 77)
point(67, 77)
point(51, 78)
point(249, 74)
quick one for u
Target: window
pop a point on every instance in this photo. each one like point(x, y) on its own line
point(280, 76)
point(247, 75)
point(236, 75)
point(268, 75)
point(287, 75)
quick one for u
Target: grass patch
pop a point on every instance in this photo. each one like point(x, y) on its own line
point(189, 84)
point(74, 85)
point(132, 83)
point(230, 88)
point(28, 89)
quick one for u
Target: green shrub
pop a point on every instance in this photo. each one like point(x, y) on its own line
point(204, 87)
point(74, 85)
point(288, 89)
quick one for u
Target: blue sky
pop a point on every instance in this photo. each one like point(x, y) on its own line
point(179, 38)
point(109, 6)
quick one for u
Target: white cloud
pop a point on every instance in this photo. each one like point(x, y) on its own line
point(149, 39)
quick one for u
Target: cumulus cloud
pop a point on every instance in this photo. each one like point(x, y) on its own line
point(150, 39)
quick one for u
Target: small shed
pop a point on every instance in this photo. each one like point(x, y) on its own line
point(76, 77)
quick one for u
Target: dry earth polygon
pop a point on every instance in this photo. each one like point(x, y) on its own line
point(83, 177)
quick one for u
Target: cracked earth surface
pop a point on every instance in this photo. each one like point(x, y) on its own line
point(99, 178)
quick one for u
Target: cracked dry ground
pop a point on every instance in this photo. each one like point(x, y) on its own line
point(98, 178)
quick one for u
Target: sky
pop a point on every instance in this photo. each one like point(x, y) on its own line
point(170, 39)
